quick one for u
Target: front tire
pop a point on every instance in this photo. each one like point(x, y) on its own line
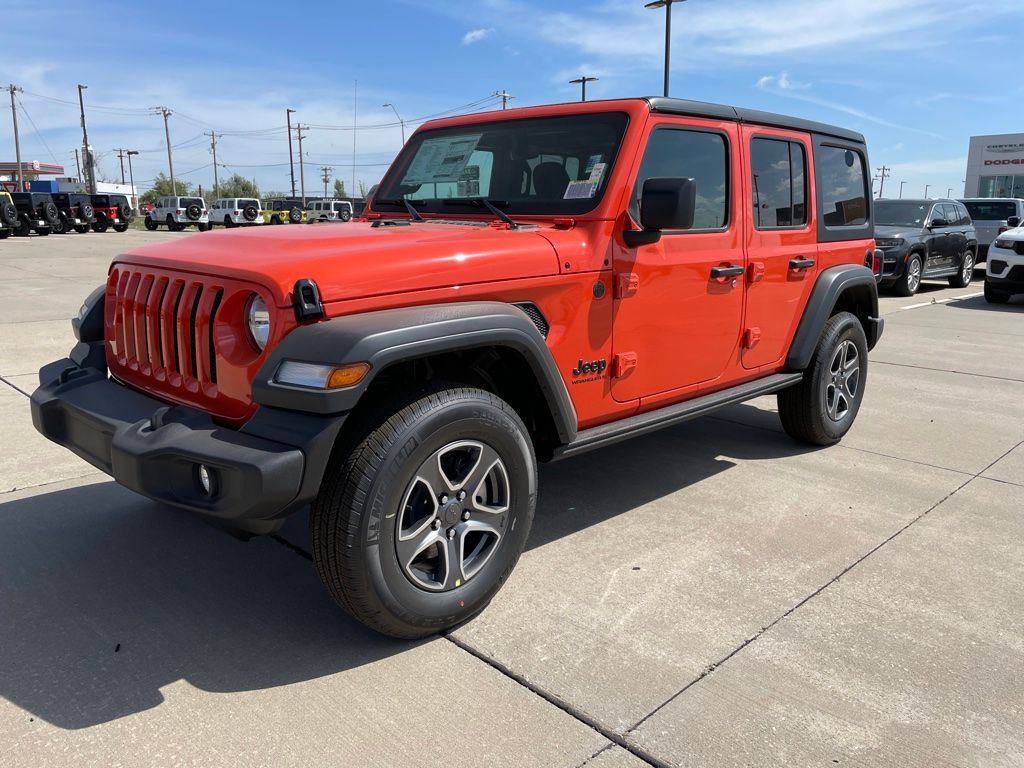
point(100, 227)
point(120, 227)
point(992, 296)
point(821, 409)
point(908, 284)
point(417, 527)
point(81, 228)
point(963, 278)
point(59, 227)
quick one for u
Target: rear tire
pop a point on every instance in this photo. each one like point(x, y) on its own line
point(963, 278)
point(59, 227)
point(100, 227)
point(120, 227)
point(150, 224)
point(910, 281)
point(821, 409)
point(81, 228)
point(381, 497)
point(992, 296)
point(42, 231)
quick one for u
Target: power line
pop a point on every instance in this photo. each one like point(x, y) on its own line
point(34, 128)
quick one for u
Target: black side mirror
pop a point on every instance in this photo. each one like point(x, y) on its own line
point(668, 203)
point(936, 223)
point(1013, 221)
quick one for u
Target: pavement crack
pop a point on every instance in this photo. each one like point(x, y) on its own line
point(561, 704)
point(947, 370)
point(16, 388)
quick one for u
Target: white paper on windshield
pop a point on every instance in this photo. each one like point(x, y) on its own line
point(596, 173)
point(441, 159)
point(590, 163)
point(579, 190)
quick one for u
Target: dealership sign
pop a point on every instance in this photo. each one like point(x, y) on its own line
point(1005, 149)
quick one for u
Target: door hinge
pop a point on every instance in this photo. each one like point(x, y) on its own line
point(626, 285)
point(750, 337)
point(623, 363)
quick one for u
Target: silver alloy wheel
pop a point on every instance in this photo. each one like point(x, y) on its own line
point(914, 275)
point(843, 381)
point(453, 515)
point(967, 270)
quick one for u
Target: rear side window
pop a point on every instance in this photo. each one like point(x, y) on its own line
point(698, 155)
point(779, 173)
point(843, 185)
point(994, 211)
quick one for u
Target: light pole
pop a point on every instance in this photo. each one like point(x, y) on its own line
point(901, 189)
point(131, 175)
point(926, 188)
point(291, 162)
point(667, 4)
point(949, 192)
point(400, 120)
point(582, 81)
point(90, 181)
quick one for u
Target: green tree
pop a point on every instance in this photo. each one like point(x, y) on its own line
point(162, 187)
point(236, 186)
point(339, 188)
point(362, 189)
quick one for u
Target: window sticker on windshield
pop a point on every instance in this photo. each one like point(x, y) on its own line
point(591, 162)
point(579, 190)
point(596, 173)
point(441, 159)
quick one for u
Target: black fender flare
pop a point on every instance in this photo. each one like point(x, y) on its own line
point(390, 336)
point(829, 288)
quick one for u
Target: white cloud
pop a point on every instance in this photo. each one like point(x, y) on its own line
point(782, 82)
point(475, 36)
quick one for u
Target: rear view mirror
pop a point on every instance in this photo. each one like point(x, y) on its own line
point(1013, 221)
point(667, 203)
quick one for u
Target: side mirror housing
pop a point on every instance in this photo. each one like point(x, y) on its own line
point(1013, 221)
point(666, 203)
point(935, 223)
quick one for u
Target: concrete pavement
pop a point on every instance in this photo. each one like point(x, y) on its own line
point(713, 594)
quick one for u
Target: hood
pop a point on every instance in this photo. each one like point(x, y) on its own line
point(906, 233)
point(356, 259)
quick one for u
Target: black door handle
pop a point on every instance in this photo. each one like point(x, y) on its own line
point(801, 263)
point(718, 272)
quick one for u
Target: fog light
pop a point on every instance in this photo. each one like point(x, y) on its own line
point(206, 479)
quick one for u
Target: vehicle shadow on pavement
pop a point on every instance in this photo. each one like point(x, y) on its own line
point(106, 597)
point(978, 302)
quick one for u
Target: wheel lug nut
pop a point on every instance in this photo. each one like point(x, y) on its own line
point(451, 533)
point(444, 498)
point(462, 495)
point(436, 524)
point(465, 514)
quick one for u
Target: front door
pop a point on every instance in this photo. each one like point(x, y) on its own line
point(679, 301)
point(938, 240)
point(782, 252)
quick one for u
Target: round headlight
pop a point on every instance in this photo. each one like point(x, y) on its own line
point(258, 317)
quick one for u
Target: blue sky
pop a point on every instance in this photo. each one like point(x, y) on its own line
point(917, 77)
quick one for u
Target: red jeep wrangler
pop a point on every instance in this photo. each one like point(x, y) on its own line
point(112, 211)
point(525, 285)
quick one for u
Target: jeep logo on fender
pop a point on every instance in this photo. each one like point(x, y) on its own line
point(591, 370)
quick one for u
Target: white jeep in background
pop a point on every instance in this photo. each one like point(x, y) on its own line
point(236, 212)
point(1004, 271)
point(329, 210)
point(178, 213)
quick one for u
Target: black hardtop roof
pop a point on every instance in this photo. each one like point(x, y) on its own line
point(739, 114)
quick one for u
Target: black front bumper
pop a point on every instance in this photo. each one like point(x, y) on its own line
point(894, 262)
point(268, 468)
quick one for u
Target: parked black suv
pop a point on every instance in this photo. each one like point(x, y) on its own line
point(8, 215)
point(75, 211)
point(923, 240)
point(36, 211)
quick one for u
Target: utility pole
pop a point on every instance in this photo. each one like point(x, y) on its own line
point(120, 156)
point(667, 5)
point(582, 81)
point(90, 178)
point(883, 174)
point(505, 97)
point(291, 162)
point(926, 187)
point(355, 91)
point(170, 161)
point(17, 142)
point(213, 146)
point(302, 165)
point(326, 171)
point(78, 165)
point(131, 176)
point(901, 189)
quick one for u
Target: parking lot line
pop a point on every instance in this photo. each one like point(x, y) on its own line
point(938, 301)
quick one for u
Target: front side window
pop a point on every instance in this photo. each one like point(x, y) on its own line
point(843, 184)
point(691, 154)
point(778, 170)
point(537, 165)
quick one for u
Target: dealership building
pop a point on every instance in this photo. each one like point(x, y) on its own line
point(995, 166)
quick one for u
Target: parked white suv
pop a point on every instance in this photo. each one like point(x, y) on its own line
point(236, 212)
point(329, 210)
point(989, 215)
point(1004, 272)
point(178, 213)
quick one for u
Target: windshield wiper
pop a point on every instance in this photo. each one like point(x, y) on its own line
point(409, 206)
point(492, 206)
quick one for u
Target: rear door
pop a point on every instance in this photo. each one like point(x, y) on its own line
point(679, 301)
point(781, 244)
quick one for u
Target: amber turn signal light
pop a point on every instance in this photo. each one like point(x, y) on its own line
point(348, 375)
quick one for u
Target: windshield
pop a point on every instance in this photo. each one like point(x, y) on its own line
point(994, 211)
point(549, 165)
point(899, 214)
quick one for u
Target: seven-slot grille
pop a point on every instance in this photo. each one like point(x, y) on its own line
point(163, 327)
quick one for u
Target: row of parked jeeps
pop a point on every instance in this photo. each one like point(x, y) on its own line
point(176, 213)
point(43, 213)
